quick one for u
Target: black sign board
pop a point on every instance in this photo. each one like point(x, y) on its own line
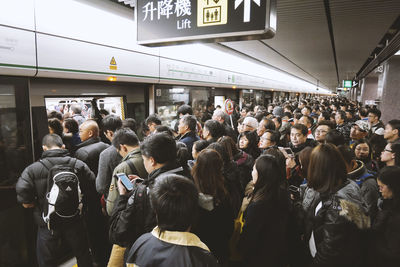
point(170, 22)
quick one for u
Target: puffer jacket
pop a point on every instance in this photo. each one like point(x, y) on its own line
point(89, 152)
point(32, 185)
point(339, 227)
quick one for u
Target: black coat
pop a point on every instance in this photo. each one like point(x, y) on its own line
point(339, 227)
point(384, 242)
point(263, 241)
point(89, 152)
point(215, 226)
point(32, 185)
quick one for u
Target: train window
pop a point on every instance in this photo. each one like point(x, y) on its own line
point(106, 105)
point(15, 134)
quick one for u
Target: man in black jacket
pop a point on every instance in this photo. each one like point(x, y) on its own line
point(31, 192)
point(132, 214)
point(89, 152)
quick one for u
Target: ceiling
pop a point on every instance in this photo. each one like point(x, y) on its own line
point(303, 47)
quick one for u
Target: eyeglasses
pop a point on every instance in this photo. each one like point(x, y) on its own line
point(321, 131)
point(265, 139)
point(387, 150)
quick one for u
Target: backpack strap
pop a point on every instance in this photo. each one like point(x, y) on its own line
point(132, 167)
point(72, 163)
point(46, 163)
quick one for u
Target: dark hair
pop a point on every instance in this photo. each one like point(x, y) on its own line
point(130, 123)
point(326, 115)
point(389, 176)
point(301, 127)
point(222, 152)
point(52, 140)
point(376, 112)
point(56, 126)
point(160, 146)
point(190, 121)
point(208, 176)
point(308, 108)
point(342, 114)
point(55, 115)
point(396, 150)
point(185, 109)
point(297, 115)
point(279, 119)
point(363, 141)
point(229, 145)
point(287, 114)
point(125, 136)
point(304, 158)
point(76, 108)
point(327, 169)
point(395, 124)
point(111, 123)
point(174, 199)
point(252, 147)
point(71, 125)
point(275, 136)
point(269, 178)
point(182, 154)
point(347, 153)
point(280, 158)
point(200, 145)
point(164, 129)
point(328, 123)
point(215, 128)
point(363, 112)
point(269, 124)
point(309, 119)
point(153, 118)
point(335, 137)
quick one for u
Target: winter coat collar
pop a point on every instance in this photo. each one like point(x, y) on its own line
point(188, 134)
point(131, 154)
point(90, 141)
point(52, 153)
point(168, 168)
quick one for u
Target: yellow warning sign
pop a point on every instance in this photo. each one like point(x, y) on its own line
point(113, 64)
point(212, 12)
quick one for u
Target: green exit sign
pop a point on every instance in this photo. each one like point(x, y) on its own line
point(347, 83)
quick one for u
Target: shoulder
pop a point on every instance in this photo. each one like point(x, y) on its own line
point(345, 210)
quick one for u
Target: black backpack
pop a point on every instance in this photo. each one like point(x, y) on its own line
point(63, 195)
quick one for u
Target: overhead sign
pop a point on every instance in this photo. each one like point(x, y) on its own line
point(228, 106)
point(347, 83)
point(170, 22)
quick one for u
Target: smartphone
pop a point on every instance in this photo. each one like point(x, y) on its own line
point(289, 151)
point(125, 181)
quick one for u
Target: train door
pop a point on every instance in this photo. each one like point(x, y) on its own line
point(17, 230)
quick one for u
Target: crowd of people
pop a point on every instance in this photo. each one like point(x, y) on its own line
point(314, 182)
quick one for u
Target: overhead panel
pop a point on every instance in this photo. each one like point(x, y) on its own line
point(358, 27)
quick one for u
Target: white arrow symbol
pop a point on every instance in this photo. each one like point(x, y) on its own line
point(247, 5)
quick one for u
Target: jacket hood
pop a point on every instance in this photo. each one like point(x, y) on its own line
point(353, 207)
point(358, 172)
point(206, 202)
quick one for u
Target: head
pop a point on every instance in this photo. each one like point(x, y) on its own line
point(362, 149)
point(55, 115)
point(111, 123)
point(187, 124)
point(324, 116)
point(307, 121)
point(349, 157)
point(269, 138)
point(76, 109)
point(392, 130)
point(335, 137)
point(306, 111)
point(340, 117)
point(321, 131)
point(304, 159)
point(158, 150)
point(152, 122)
point(298, 134)
point(391, 154)
point(130, 123)
point(229, 145)
point(207, 174)
point(219, 115)
point(55, 126)
point(267, 178)
point(164, 129)
point(359, 130)
point(52, 141)
point(88, 129)
point(184, 110)
point(265, 124)
point(277, 121)
point(212, 129)
point(174, 200)
point(244, 111)
point(222, 152)
point(71, 126)
point(327, 169)
point(250, 124)
point(125, 140)
point(374, 116)
point(198, 146)
point(389, 184)
point(248, 141)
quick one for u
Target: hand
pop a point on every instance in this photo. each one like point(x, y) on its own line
point(290, 162)
point(132, 177)
point(121, 188)
point(28, 205)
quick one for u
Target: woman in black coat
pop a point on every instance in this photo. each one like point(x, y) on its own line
point(385, 242)
point(263, 241)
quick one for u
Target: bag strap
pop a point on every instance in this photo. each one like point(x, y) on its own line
point(46, 163)
point(132, 167)
point(72, 163)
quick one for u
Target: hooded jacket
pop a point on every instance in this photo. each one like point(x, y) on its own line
point(338, 227)
point(32, 185)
